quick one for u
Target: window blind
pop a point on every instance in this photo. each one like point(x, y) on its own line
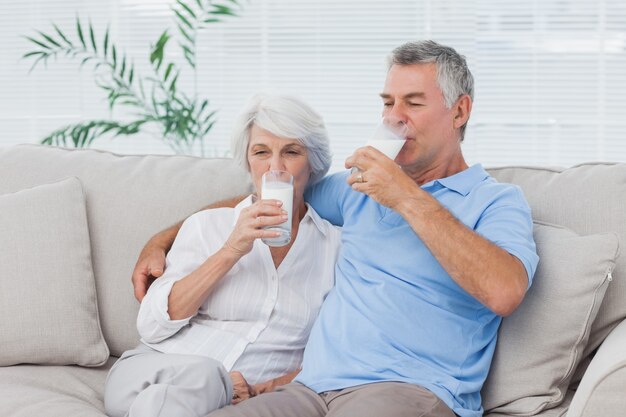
point(550, 74)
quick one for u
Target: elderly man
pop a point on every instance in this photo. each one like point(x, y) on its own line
point(434, 252)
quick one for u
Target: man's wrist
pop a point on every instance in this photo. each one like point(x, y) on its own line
point(164, 239)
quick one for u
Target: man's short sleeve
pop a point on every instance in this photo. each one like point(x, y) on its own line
point(507, 222)
point(327, 197)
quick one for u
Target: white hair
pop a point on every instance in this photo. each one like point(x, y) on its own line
point(286, 117)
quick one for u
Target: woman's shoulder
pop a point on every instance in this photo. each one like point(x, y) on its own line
point(212, 219)
point(212, 213)
point(326, 227)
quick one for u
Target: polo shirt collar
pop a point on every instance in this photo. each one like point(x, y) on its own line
point(462, 182)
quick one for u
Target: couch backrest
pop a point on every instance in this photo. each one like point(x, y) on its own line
point(587, 198)
point(128, 198)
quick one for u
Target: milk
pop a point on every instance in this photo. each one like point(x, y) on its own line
point(388, 138)
point(284, 192)
point(390, 147)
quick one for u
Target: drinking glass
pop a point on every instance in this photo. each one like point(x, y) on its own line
point(388, 137)
point(278, 185)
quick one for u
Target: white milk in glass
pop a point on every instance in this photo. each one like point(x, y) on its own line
point(390, 147)
point(388, 139)
point(284, 192)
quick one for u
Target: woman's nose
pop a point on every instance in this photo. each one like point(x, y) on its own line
point(277, 164)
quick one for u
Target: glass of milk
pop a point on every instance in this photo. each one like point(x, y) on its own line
point(278, 185)
point(388, 137)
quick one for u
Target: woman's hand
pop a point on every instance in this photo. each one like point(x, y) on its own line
point(241, 389)
point(263, 387)
point(272, 384)
point(251, 225)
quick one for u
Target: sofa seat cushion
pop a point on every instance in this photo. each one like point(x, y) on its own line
point(558, 411)
point(53, 391)
point(47, 288)
point(542, 342)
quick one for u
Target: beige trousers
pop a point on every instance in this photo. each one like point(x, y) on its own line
point(148, 383)
point(383, 399)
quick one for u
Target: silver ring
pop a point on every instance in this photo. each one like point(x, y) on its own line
point(359, 178)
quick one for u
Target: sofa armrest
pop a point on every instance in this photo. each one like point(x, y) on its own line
point(601, 391)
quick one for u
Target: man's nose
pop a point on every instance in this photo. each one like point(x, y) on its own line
point(396, 124)
point(394, 119)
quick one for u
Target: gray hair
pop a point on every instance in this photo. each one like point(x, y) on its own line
point(286, 117)
point(453, 76)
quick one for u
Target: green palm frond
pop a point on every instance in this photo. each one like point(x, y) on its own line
point(81, 135)
point(184, 121)
point(192, 17)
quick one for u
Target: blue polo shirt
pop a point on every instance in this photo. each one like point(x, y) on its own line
point(394, 313)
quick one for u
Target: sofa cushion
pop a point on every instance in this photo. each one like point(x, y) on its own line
point(558, 411)
point(542, 342)
point(588, 199)
point(47, 289)
point(129, 198)
point(53, 391)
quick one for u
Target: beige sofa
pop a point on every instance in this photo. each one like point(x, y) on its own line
point(72, 223)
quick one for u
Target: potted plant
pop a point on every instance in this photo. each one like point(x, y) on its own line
point(183, 120)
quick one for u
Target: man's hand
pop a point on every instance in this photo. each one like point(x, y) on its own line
point(241, 389)
point(151, 262)
point(150, 266)
point(379, 177)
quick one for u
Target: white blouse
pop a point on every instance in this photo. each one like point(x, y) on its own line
point(258, 318)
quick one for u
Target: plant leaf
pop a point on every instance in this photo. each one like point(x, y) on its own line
point(173, 83)
point(123, 69)
point(106, 42)
point(183, 19)
point(35, 41)
point(168, 70)
point(80, 32)
point(222, 10)
point(157, 52)
point(29, 54)
point(85, 60)
point(114, 56)
point(189, 10)
point(32, 67)
point(67, 41)
point(189, 56)
point(49, 39)
point(189, 37)
point(93, 37)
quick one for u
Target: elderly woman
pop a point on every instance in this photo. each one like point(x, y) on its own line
point(227, 301)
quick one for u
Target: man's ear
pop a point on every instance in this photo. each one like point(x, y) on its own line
point(462, 110)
